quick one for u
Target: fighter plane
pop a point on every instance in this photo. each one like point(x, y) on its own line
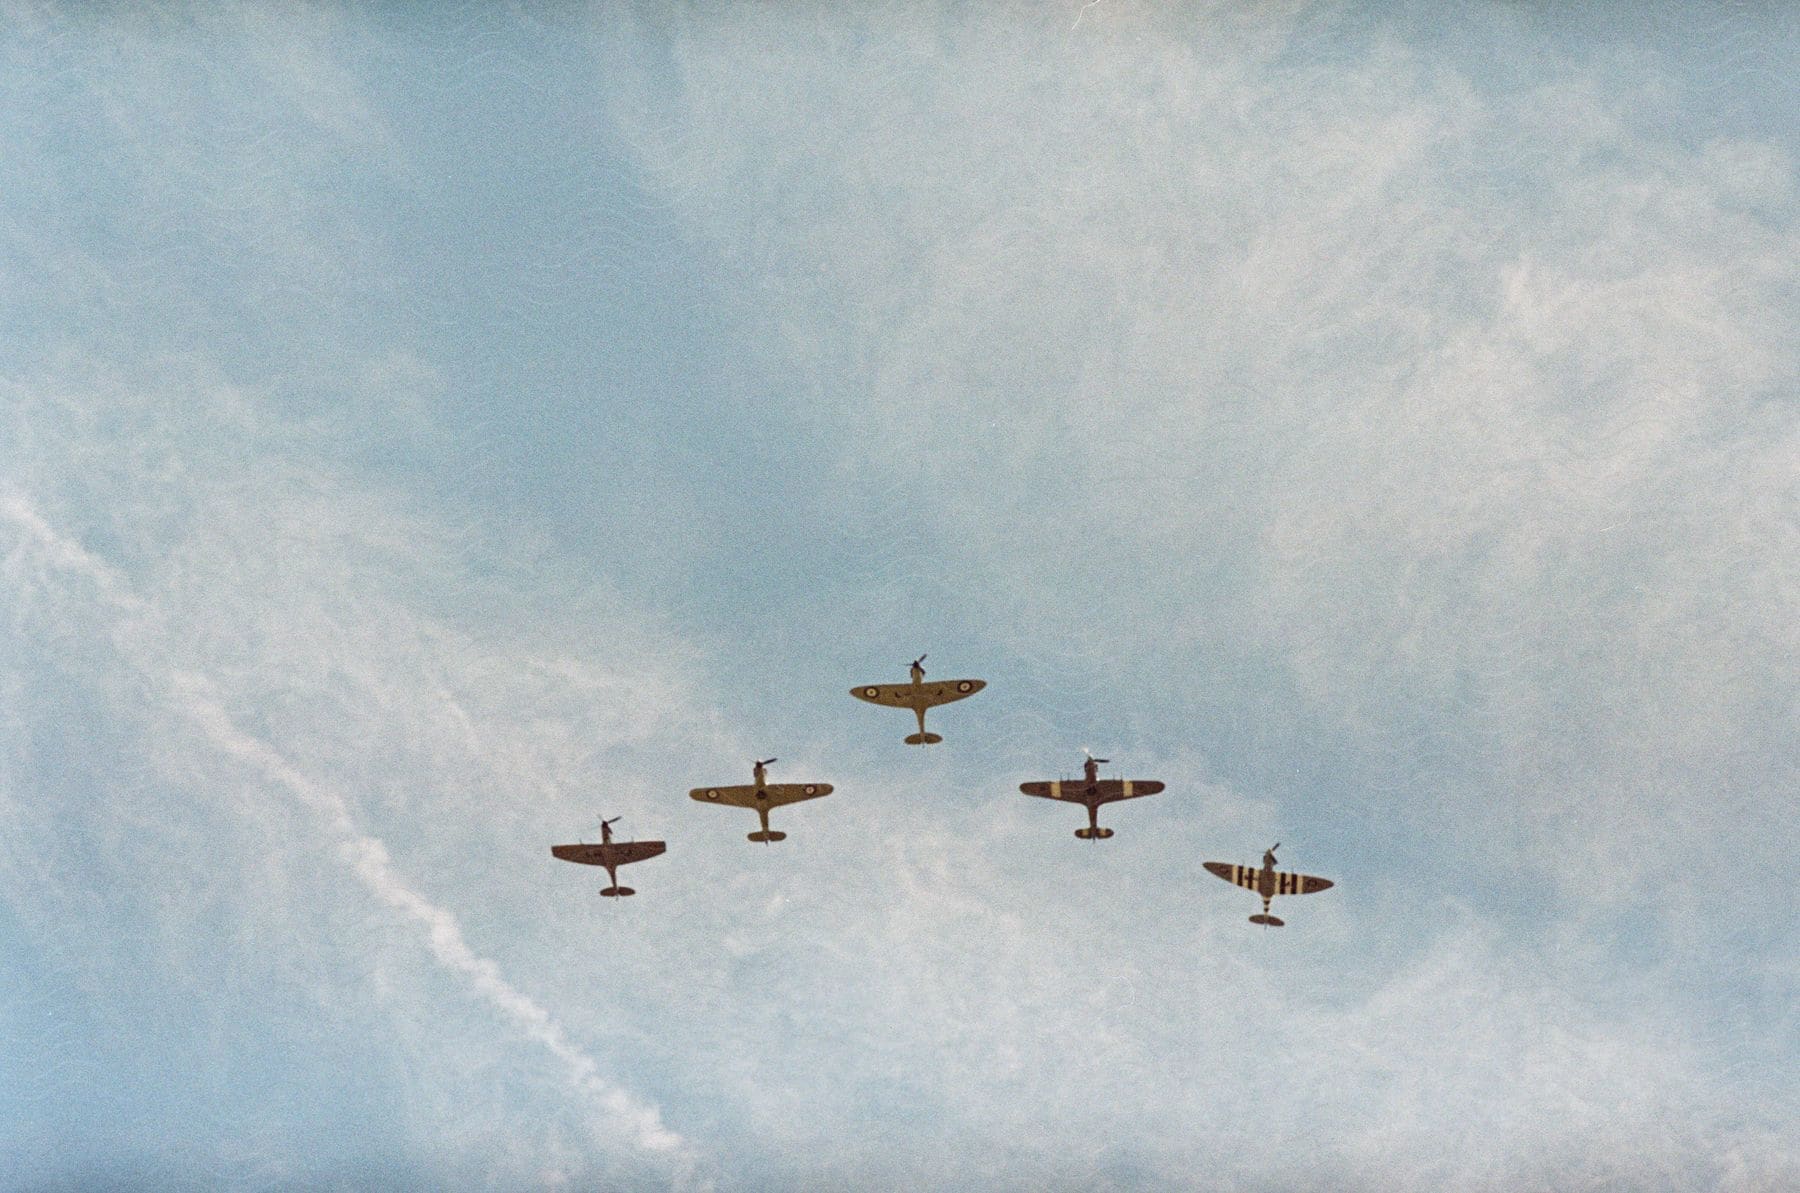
point(1268, 883)
point(611, 854)
point(1093, 791)
point(761, 795)
point(919, 696)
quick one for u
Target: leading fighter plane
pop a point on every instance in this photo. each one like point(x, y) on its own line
point(761, 795)
point(919, 696)
point(1268, 882)
point(611, 854)
point(1093, 791)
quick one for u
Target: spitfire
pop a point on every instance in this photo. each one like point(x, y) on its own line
point(919, 696)
point(1092, 791)
point(611, 854)
point(1268, 882)
point(762, 795)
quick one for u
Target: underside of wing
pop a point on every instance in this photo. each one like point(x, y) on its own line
point(1302, 884)
point(736, 797)
point(618, 853)
point(626, 852)
point(793, 793)
point(893, 695)
point(1110, 790)
point(1053, 790)
point(1244, 876)
point(952, 690)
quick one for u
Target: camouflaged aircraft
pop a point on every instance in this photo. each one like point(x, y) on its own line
point(1093, 791)
point(611, 854)
point(919, 696)
point(1268, 882)
point(761, 795)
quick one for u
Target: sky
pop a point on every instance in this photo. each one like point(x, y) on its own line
point(425, 431)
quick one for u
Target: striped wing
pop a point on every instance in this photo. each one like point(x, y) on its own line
point(774, 795)
point(1249, 877)
point(1244, 876)
point(904, 695)
point(619, 853)
point(1108, 790)
point(1117, 789)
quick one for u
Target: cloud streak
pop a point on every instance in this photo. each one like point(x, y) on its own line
point(37, 543)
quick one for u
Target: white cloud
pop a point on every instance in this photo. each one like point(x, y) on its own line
point(254, 626)
point(1457, 401)
point(1185, 363)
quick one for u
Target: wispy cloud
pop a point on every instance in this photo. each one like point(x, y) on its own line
point(1430, 381)
point(185, 650)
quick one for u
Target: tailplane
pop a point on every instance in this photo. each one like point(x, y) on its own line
point(1093, 834)
point(923, 739)
point(614, 892)
point(1267, 921)
point(767, 835)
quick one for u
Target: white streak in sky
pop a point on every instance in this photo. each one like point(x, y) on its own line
point(367, 856)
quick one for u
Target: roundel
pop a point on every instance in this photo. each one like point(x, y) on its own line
point(871, 692)
point(713, 794)
point(811, 790)
point(964, 686)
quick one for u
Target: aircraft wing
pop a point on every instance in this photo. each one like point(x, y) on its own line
point(1109, 790)
point(1244, 876)
point(952, 690)
point(781, 794)
point(1117, 789)
point(1285, 883)
point(619, 853)
point(904, 695)
point(893, 695)
point(737, 797)
point(776, 794)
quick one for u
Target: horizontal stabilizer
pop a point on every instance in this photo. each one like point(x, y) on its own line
point(770, 835)
point(1093, 834)
point(1267, 921)
point(923, 739)
point(613, 892)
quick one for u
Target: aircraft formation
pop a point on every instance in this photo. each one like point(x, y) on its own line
point(1090, 791)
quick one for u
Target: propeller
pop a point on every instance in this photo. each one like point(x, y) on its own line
point(614, 820)
point(765, 762)
point(918, 662)
point(1091, 758)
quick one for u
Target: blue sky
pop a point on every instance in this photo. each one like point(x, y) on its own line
point(419, 437)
